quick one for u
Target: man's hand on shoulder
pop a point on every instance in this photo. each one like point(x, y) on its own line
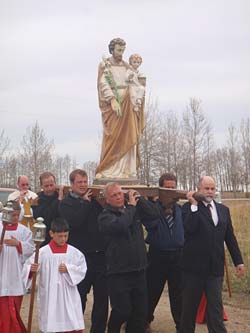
point(191, 199)
point(60, 193)
point(87, 195)
point(133, 197)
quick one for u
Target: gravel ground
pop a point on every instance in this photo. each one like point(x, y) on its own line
point(237, 309)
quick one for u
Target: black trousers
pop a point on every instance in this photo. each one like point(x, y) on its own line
point(164, 266)
point(128, 298)
point(193, 286)
point(96, 278)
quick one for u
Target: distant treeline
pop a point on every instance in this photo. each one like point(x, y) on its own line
point(184, 145)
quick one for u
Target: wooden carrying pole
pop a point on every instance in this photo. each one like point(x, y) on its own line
point(227, 276)
point(3, 233)
point(32, 295)
point(166, 195)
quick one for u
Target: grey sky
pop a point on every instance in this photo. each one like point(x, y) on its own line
point(50, 50)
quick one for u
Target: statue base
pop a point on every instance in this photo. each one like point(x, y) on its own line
point(121, 181)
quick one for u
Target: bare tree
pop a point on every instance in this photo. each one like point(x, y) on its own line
point(194, 128)
point(35, 154)
point(11, 169)
point(4, 144)
point(169, 143)
point(62, 168)
point(208, 150)
point(233, 158)
point(90, 167)
point(221, 169)
point(245, 147)
point(149, 144)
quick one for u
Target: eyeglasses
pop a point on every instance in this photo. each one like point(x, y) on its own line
point(24, 184)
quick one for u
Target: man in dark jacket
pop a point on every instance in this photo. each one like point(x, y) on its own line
point(126, 257)
point(81, 212)
point(207, 225)
point(165, 238)
point(48, 201)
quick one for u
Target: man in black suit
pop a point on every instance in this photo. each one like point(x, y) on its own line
point(165, 236)
point(207, 225)
point(48, 201)
point(126, 259)
point(81, 211)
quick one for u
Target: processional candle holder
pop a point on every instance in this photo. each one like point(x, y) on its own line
point(39, 230)
point(7, 213)
point(39, 233)
point(6, 219)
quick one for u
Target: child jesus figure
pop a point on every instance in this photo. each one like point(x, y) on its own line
point(137, 82)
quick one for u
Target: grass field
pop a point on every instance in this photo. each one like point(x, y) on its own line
point(240, 213)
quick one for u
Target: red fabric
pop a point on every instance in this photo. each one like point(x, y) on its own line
point(11, 226)
point(10, 320)
point(19, 248)
point(56, 248)
point(225, 317)
point(81, 331)
point(201, 313)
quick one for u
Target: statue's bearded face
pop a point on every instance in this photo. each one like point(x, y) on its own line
point(118, 52)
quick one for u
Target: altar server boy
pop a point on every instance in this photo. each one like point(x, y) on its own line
point(16, 248)
point(60, 267)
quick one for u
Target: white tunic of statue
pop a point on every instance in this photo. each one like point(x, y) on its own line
point(126, 166)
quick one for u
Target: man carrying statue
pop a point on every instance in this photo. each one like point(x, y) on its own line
point(122, 122)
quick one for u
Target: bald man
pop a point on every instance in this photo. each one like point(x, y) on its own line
point(207, 225)
point(23, 191)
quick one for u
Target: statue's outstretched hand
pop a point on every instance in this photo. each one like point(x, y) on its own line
point(114, 104)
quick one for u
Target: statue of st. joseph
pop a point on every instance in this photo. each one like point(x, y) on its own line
point(122, 125)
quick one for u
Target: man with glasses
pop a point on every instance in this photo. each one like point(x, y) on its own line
point(22, 195)
point(23, 190)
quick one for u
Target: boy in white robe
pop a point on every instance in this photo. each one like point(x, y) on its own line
point(61, 267)
point(16, 248)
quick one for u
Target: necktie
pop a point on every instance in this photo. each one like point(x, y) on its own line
point(212, 213)
point(209, 207)
point(170, 221)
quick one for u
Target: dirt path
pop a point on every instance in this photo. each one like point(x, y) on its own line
point(237, 309)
